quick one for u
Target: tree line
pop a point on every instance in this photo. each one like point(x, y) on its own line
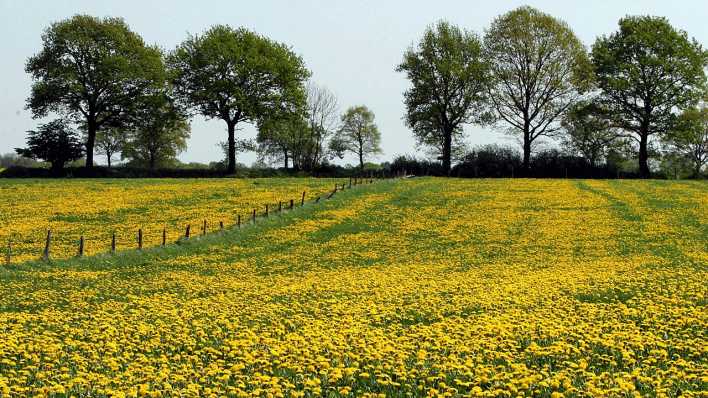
point(530, 76)
point(640, 90)
point(115, 94)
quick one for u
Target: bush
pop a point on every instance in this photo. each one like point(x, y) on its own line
point(410, 165)
point(330, 171)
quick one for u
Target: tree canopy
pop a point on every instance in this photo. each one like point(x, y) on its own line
point(237, 76)
point(645, 72)
point(358, 134)
point(54, 142)
point(689, 138)
point(91, 70)
point(538, 69)
point(447, 75)
point(160, 134)
point(587, 132)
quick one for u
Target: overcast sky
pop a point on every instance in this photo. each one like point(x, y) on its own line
point(351, 47)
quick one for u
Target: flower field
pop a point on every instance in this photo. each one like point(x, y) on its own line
point(419, 287)
point(97, 208)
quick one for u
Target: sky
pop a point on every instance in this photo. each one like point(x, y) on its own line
point(351, 47)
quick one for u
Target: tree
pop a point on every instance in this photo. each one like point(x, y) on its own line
point(321, 111)
point(281, 138)
point(237, 76)
point(91, 70)
point(160, 135)
point(689, 138)
point(357, 134)
point(539, 69)
point(110, 142)
point(646, 71)
point(54, 142)
point(587, 132)
point(447, 74)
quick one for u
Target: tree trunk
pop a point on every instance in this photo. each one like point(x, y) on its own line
point(447, 151)
point(286, 159)
point(90, 141)
point(231, 168)
point(152, 161)
point(108, 156)
point(361, 160)
point(644, 155)
point(527, 154)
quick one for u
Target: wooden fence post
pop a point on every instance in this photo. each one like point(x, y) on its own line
point(47, 245)
point(343, 186)
point(266, 212)
point(254, 216)
point(113, 242)
point(164, 236)
point(204, 226)
point(302, 201)
point(221, 225)
point(81, 246)
point(140, 239)
point(8, 255)
point(280, 206)
point(291, 204)
point(186, 233)
point(239, 221)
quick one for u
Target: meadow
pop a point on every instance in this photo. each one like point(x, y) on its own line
point(96, 209)
point(417, 287)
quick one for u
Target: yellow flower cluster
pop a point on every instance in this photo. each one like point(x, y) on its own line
point(97, 208)
point(422, 287)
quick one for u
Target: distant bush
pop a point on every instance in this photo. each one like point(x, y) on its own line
point(494, 161)
point(410, 165)
point(489, 161)
point(191, 171)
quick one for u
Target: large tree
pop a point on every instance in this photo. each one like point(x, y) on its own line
point(91, 70)
point(447, 75)
point(237, 76)
point(539, 69)
point(689, 138)
point(646, 71)
point(358, 134)
point(54, 142)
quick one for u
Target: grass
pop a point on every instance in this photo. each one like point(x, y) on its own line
point(406, 288)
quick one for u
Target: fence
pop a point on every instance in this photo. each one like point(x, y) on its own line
point(268, 210)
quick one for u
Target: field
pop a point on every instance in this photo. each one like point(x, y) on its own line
point(419, 287)
point(97, 208)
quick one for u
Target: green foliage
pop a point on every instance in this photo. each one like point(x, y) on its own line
point(646, 71)
point(688, 140)
point(283, 139)
point(447, 74)
point(160, 135)
point(91, 70)
point(110, 142)
point(587, 132)
point(54, 142)
point(238, 76)
point(358, 134)
point(15, 160)
point(539, 69)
